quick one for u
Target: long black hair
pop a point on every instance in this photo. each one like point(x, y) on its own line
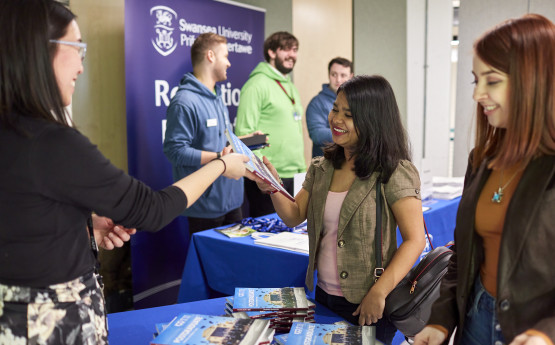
point(28, 84)
point(382, 139)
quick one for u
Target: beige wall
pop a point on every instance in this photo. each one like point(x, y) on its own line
point(99, 99)
point(380, 41)
point(324, 31)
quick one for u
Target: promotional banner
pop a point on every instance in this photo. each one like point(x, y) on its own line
point(158, 39)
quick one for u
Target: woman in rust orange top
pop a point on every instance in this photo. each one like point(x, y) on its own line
point(500, 287)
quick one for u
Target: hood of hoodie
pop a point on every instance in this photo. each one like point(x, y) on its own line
point(327, 92)
point(272, 73)
point(191, 83)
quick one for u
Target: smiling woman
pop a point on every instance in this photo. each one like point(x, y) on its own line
point(59, 196)
point(491, 91)
point(67, 61)
point(338, 201)
point(499, 287)
point(342, 127)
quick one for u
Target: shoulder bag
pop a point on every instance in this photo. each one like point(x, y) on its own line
point(408, 305)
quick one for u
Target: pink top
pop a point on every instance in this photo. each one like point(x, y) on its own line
point(326, 258)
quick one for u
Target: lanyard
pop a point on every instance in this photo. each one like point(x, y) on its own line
point(286, 94)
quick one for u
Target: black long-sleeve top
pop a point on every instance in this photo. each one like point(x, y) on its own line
point(51, 178)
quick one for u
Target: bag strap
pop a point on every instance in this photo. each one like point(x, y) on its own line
point(378, 238)
point(378, 244)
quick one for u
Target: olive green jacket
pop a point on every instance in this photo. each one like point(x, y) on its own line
point(357, 223)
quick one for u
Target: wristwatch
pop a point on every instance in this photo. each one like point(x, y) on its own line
point(218, 154)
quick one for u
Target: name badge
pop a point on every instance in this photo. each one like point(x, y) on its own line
point(296, 116)
point(211, 122)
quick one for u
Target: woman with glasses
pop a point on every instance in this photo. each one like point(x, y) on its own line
point(52, 178)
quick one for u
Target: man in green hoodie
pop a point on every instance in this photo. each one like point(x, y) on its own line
point(271, 103)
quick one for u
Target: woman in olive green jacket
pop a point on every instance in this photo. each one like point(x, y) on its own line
point(338, 200)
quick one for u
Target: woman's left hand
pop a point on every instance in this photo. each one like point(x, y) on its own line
point(525, 339)
point(371, 308)
point(109, 235)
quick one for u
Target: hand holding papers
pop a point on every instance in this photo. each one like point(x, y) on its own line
point(255, 165)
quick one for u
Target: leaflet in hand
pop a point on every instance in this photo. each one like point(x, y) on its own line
point(255, 165)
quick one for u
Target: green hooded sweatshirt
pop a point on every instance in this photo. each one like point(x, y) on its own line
point(266, 107)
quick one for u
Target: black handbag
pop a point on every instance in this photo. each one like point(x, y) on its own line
point(408, 305)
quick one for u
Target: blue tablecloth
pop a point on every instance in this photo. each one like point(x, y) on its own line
point(138, 326)
point(217, 264)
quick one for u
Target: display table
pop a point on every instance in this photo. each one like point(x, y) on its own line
point(217, 264)
point(138, 326)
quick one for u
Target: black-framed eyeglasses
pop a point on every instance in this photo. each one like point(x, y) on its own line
point(81, 46)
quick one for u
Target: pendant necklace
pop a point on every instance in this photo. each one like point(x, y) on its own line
point(498, 195)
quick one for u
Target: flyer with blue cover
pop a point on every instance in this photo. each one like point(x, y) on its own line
point(286, 298)
point(255, 165)
point(207, 329)
point(323, 334)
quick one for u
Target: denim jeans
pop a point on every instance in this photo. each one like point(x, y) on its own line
point(481, 325)
point(385, 331)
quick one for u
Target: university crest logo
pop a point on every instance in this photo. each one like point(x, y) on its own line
point(163, 41)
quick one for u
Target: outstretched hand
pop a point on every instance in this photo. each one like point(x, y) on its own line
point(234, 165)
point(262, 185)
point(109, 235)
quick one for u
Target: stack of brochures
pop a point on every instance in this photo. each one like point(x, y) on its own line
point(203, 329)
point(262, 316)
point(280, 306)
point(297, 242)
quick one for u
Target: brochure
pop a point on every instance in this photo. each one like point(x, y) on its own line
point(255, 165)
point(280, 339)
point(287, 298)
point(324, 334)
point(236, 230)
point(207, 329)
